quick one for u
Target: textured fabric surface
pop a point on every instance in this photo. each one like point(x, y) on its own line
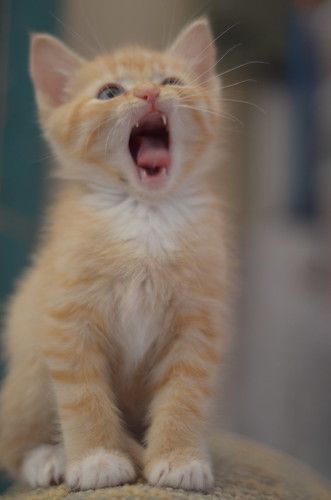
point(244, 470)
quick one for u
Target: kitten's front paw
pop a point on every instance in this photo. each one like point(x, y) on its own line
point(44, 466)
point(194, 474)
point(100, 470)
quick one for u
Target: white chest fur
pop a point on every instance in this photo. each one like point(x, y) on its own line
point(143, 297)
point(154, 232)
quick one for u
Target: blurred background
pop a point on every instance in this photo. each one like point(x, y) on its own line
point(277, 180)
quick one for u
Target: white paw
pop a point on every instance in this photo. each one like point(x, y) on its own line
point(194, 475)
point(100, 470)
point(44, 466)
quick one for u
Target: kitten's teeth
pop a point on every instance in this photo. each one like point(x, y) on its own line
point(164, 172)
point(143, 173)
point(164, 119)
point(137, 125)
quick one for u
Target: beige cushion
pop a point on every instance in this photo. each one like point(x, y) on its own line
point(244, 470)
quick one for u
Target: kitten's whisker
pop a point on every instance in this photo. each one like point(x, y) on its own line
point(249, 80)
point(231, 49)
point(198, 12)
point(218, 37)
point(197, 90)
point(99, 125)
point(240, 66)
point(171, 24)
point(72, 32)
point(240, 101)
point(198, 95)
point(92, 32)
point(206, 110)
point(112, 133)
point(43, 158)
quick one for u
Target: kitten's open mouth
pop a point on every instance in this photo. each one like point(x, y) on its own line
point(149, 148)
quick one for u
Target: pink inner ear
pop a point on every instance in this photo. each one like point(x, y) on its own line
point(52, 67)
point(195, 45)
point(51, 84)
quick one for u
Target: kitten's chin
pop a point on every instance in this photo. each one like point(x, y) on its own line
point(155, 180)
point(149, 146)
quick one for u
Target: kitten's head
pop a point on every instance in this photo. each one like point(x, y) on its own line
point(139, 121)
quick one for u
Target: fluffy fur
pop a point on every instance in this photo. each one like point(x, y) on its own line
point(114, 333)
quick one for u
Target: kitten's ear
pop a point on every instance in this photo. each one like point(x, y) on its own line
point(52, 65)
point(195, 44)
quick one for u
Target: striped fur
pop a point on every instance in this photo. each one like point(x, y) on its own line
point(115, 332)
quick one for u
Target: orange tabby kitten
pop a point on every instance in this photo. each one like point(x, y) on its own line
point(114, 333)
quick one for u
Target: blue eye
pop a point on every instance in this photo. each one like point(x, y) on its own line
point(109, 91)
point(172, 80)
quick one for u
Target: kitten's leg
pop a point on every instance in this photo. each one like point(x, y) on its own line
point(96, 445)
point(27, 419)
point(176, 452)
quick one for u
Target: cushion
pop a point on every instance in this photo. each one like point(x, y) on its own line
point(243, 470)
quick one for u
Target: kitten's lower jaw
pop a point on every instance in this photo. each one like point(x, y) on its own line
point(154, 178)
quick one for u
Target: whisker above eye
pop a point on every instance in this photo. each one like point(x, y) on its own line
point(217, 38)
point(73, 32)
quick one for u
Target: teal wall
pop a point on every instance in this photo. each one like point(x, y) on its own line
point(22, 153)
point(22, 168)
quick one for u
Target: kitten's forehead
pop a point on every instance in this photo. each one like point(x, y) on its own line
point(131, 64)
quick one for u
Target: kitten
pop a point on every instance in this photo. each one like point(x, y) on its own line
point(114, 334)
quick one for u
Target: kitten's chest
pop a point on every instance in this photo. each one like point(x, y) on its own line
point(146, 230)
point(145, 270)
point(143, 311)
point(142, 296)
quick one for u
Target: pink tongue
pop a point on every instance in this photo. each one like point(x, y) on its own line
point(152, 153)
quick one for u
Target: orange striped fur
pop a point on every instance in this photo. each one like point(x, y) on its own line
point(115, 333)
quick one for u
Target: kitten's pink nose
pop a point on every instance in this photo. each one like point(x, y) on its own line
point(148, 93)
